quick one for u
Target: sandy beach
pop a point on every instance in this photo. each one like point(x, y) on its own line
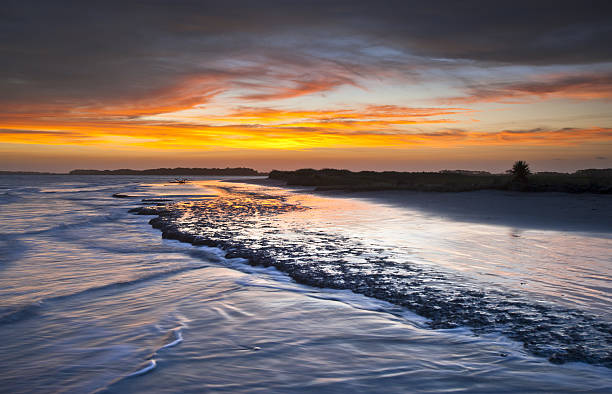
point(544, 211)
point(339, 291)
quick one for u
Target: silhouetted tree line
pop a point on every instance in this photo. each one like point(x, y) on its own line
point(179, 171)
point(519, 177)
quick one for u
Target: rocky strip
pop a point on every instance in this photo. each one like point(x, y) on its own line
point(252, 226)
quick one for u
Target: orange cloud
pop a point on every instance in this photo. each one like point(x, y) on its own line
point(184, 95)
point(369, 112)
point(159, 121)
point(181, 94)
point(184, 136)
point(539, 136)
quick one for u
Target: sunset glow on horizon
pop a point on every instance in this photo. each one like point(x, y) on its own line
point(285, 85)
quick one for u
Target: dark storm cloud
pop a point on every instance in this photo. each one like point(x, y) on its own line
point(71, 53)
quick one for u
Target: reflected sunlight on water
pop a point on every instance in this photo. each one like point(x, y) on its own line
point(92, 297)
point(566, 267)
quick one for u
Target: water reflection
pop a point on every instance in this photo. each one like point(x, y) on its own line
point(103, 296)
point(374, 250)
point(551, 265)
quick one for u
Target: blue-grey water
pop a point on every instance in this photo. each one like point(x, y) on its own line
point(93, 299)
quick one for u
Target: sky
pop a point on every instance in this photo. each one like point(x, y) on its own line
point(378, 85)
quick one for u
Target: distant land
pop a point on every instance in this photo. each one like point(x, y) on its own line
point(178, 171)
point(237, 171)
point(582, 181)
point(27, 173)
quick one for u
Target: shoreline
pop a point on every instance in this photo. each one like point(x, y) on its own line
point(218, 223)
point(585, 212)
point(537, 211)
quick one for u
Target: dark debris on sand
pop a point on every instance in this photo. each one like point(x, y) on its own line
point(246, 225)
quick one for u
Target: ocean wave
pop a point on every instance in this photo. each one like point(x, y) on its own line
point(10, 198)
point(329, 260)
point(83, 189)
point(148, 367)
point(178, 338)
point(84, 221)
point(11, 248)
point(17, 313)
point(21, 312)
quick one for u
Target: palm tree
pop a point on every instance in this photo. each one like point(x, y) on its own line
point(520, 171)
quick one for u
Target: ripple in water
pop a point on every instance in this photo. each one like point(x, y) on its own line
point(258, 226)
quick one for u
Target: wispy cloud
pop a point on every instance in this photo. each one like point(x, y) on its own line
point(581, 87)
point(295, 88)
point(300, 75)
point(291, 135)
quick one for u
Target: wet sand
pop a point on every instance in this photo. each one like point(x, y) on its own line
point(543, 211)
point(401, 256)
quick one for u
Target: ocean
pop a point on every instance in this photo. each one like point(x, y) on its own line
point(217, 286)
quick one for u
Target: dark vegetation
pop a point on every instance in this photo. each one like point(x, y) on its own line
point(519, 178)
point(238, 171)
point(26, 173)
point(328, 259)
point(520, 171)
